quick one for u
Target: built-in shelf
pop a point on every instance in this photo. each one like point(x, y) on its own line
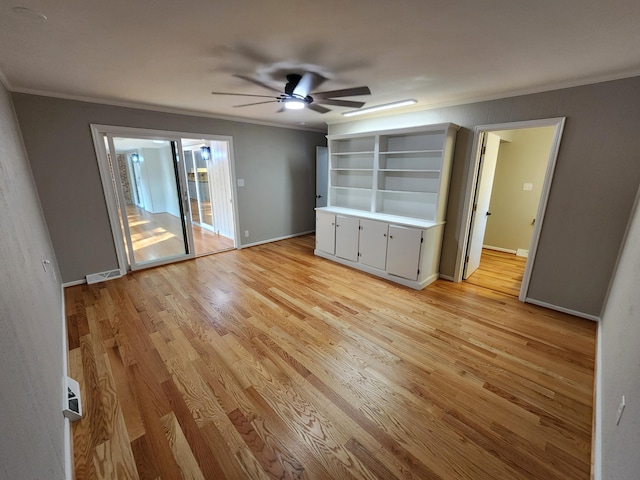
point(402, 172)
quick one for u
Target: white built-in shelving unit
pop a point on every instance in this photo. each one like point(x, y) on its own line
point(398, 177)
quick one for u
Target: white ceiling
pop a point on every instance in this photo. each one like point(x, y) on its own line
point(170, 55)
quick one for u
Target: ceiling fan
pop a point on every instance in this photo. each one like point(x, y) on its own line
point(299, 93)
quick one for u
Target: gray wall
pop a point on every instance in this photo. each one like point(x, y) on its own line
point(31, 345)
point(277, 164)
point(618, 364)
point(596, 178)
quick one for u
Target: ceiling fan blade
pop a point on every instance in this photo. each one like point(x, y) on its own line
point(242, 95)
point(257, 103)
point(318, 108)
point(340, 103)
point(258, 82)
point(346, 92)
point(309, 81)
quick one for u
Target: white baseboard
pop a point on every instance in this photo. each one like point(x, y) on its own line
point(74, 283)
point(68, 441)
point(596, 444)
point(275, 239)
point(499, 249)
point(68, 451)
point(447, 277)
point(575, 313)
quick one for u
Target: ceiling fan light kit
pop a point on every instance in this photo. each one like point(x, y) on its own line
point(294, 103)
point(299, 93)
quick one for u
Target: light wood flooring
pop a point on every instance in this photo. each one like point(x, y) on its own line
point(159, 235)
point(499, 271)
point(269, 362)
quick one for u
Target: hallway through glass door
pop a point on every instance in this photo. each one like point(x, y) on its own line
point(146, 176)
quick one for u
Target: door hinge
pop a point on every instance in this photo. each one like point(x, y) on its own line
point(484, 149)
point(466, 259)
point(421, 239)
point(475, 207)
point(418, 271)
point(360, 227)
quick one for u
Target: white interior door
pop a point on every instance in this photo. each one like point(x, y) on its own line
point(487, 170)
point(322, 172)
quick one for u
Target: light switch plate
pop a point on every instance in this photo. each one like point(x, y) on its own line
point(241, 182)
point(527, 187)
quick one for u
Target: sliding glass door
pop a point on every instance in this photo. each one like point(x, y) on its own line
point(169, 195)
point(148, 179)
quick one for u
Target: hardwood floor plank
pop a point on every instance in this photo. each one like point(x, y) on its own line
point(203, 455)
point(153, 406)
point(147, 468)
point(269, 362)
point(182, 453)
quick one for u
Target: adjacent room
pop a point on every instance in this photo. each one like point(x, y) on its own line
point(339, 240)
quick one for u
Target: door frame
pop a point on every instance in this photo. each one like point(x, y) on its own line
point(97, 132)
point(472, 180)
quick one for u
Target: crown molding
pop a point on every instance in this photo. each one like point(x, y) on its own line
point(421, 107)
point(162, 109)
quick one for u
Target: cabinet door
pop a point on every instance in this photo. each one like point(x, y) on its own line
point(403, 251)
point(373, 243)
point(326, 232)
point(347, 237)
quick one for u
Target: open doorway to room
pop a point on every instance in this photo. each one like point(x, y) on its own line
point(512, 176)
point(151, 180)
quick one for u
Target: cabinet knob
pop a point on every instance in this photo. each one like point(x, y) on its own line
point(390, 236)
point(384, 234)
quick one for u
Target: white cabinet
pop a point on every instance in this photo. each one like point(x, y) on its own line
point(408, 254)
point(388, 198)
point(347, 229)
point(373, 243)
point(326, 232)
point(403, 251)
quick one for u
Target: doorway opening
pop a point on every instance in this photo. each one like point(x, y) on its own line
point(162, 189)
point(509, 186)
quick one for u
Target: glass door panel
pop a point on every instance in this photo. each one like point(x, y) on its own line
point(209, 184)
point(149, 192)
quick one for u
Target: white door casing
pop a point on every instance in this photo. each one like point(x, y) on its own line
point(472, 179)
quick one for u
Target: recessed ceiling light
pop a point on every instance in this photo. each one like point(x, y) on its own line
point(377, 108)
point(30, 14)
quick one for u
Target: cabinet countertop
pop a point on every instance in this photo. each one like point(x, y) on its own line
point(397, 220)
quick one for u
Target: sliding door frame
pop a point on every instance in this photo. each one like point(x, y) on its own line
point(98, 131)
